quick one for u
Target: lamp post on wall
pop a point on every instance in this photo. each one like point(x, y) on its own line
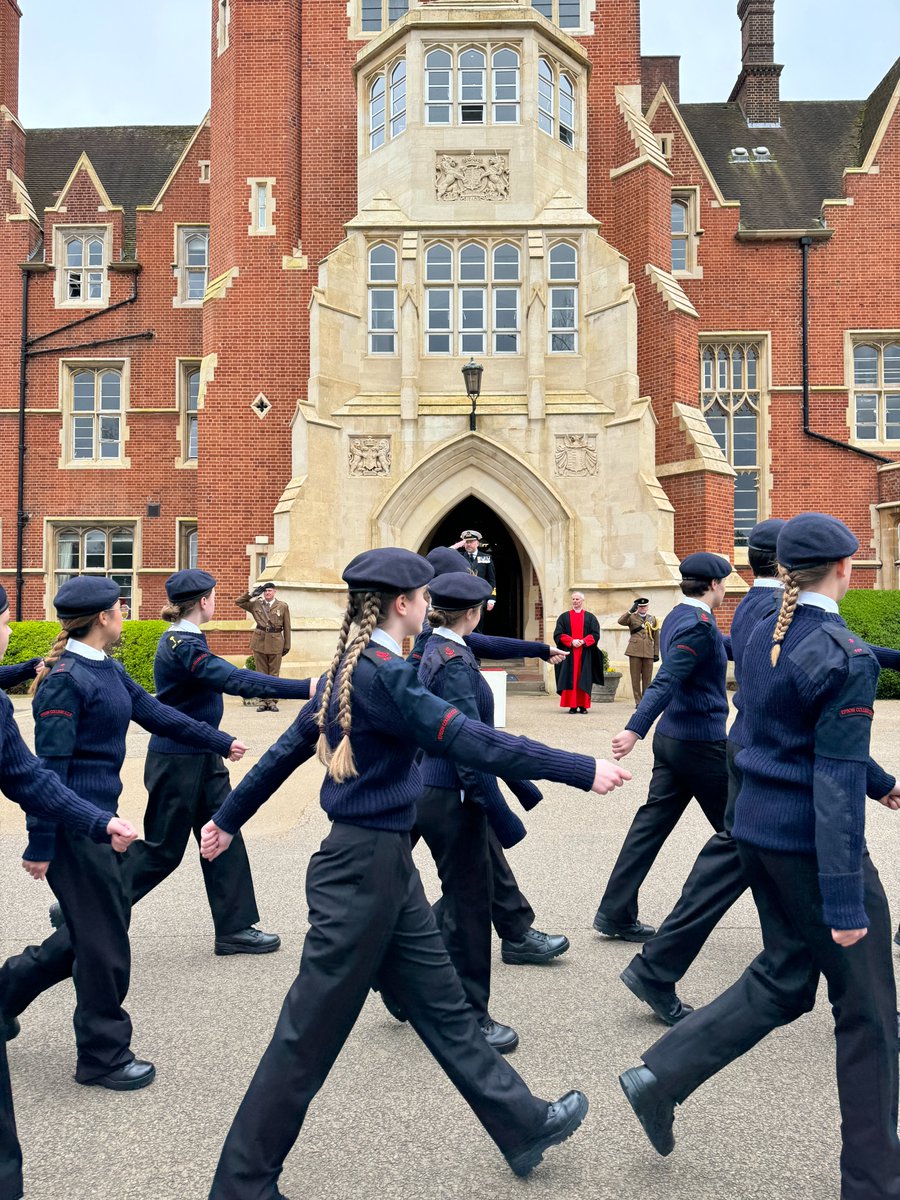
point(472, 373)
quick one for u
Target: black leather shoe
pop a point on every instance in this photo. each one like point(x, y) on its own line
point(134, 1075)
point(248, 941)
point(503, 1038)
point(9, 1029)
point(57, 920)
point(636, 931)
point(654, 1110)
point(664, 1001)
point(393, 1006)
point(897, 938)
point(563, 1118)
point(535, 947)
point(573, 712)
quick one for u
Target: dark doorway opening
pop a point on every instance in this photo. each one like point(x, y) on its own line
point(507, 619)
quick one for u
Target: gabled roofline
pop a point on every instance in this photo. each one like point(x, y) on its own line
point(665, 96)
point(889, 113)
point(157, 203)
point(84, 164)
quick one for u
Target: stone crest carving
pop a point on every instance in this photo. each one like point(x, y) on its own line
point(472, 176)
point(576, 454)
point(370, 456)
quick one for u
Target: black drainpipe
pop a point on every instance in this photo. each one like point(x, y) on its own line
point(805, 243)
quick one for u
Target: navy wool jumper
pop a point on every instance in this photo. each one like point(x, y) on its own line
point(806, 730)
point(191, 679)
point(690, 684)
point(393, 715)
point(483, 646)
point(82, 711)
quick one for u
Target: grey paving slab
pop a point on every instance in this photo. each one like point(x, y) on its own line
point(387, 1123)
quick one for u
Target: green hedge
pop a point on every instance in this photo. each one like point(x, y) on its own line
point(875, 616)
point(135, 651)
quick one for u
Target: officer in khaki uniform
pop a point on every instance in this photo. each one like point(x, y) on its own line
point(271, 639)
point(642, 650)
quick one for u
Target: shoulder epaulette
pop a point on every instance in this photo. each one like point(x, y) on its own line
point(62, 667)
point(852, 645)
point(449, 652)
point(380, 656)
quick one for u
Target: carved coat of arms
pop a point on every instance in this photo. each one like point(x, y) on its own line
point(472, 177)
point(576, 454)
point(370, 456)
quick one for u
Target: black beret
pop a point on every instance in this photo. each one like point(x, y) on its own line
point(444, 560)
point(84, 596)
point(705, 566)
point(267, 583)
point(456, 590)
point(387, 570)
point(188, 585)
point(4, 599)
point(813, 538)
point(764, 535)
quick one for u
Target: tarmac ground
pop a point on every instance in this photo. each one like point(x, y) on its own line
point(388, 1124)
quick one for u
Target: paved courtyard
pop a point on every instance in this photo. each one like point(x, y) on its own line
point(388, 1124)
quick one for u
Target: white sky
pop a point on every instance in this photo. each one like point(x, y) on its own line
point(132, 62)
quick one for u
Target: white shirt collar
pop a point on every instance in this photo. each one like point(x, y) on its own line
point(380, 638)
point(83, 650)
point(450, 634)
point(184, 626)
point(817, 600)
point(696, 603)
point(768, 583)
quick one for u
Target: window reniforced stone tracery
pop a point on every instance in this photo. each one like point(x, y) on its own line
point(556, 102)
point(473, 298)
point(472, 85)
point(564, 13)
point(387, 104)
point(95, 550)
point(93, 401)
point(876, 389)
point(375, 15)
point(382, 278)
point(731, 398)
point(82, 257)
point(562, 311)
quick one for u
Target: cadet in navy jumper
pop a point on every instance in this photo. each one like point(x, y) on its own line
point(717, 878)
point(185, 785)
point(82, 712)
point(688, 746)
point(512, 915)
point(368, 914)
point(799, 825)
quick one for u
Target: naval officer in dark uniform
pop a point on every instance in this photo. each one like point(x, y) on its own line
point(480, 563)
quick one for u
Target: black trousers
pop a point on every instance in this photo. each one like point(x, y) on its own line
point(10, 1150)
point(511, 914)
point(89, 882)
point(682, 771)
point(716, 882)
point(185, 791)
point(455, 832)
point(369, 921)
point(780, 985)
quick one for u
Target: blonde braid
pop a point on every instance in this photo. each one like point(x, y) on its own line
point(322, 748)
point(73, 627)
point(786, 614)
point(342, 766)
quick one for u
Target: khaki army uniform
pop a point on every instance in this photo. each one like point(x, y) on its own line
point(271, 639)
point(642, 649)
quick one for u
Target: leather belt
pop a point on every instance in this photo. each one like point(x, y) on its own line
point(267, 629)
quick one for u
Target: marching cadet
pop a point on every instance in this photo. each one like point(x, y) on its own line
point(807, 690)
point(187, 784)
point(82, 707)
point(369, 918)
point(689, 743)
point(642, 650)
point(40, 793)
point(478, 562)
point(271, 639)
point(717, 878)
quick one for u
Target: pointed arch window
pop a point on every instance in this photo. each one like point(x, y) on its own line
point(731, 398)
point(556, 102)
point(473, 298)
point(474, 85)
point(562, 311)
point(82, 257)
point(382, 299)
point(506, 74)
point(376, 15)
point(95, 407)
point(438, 87)
point(387, 104)
point(564, 13)
point(876, 390)
point(100, 550)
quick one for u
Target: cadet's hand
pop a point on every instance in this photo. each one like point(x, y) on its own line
point(38, 667)
point(892, 799)
point(37, 870)
point(558, 656)
point(237, 751)
point(213, 840)
point(122, 834)
point(848, 937)
point(623, 743)
point(608, 776)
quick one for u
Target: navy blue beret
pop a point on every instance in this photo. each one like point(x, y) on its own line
point(456, 590)
point(188, 585)
point(84, 596)
point(813, 538)
point(387, 570)
point(444, 560)
point(764, 535)
point(4, 599)
point(705, 566)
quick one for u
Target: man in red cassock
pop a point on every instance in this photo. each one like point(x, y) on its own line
point(579, 632)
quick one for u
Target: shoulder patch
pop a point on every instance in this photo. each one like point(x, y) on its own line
point(383, 654)
point(62, 667)
point(852, 645)
point(449, 652)
point(703, 617)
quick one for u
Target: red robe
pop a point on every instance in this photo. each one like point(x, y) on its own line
point(574, 697)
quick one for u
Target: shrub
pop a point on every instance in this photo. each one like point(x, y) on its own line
point(250, 663)
point(137, 649)
point(29, 639)
point(875, 616)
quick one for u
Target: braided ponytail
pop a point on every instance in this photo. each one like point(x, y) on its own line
point(75, 627)
point(342, 765)
point(794, 583)
point(323, 749)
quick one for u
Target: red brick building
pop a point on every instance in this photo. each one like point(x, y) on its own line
point(168, 388)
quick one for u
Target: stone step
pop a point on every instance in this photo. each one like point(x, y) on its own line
point(523, 677)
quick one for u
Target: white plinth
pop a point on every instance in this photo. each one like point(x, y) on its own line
point(496, 681)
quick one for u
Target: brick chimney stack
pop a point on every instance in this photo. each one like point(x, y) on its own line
point(757, 87)
point(10, 16)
